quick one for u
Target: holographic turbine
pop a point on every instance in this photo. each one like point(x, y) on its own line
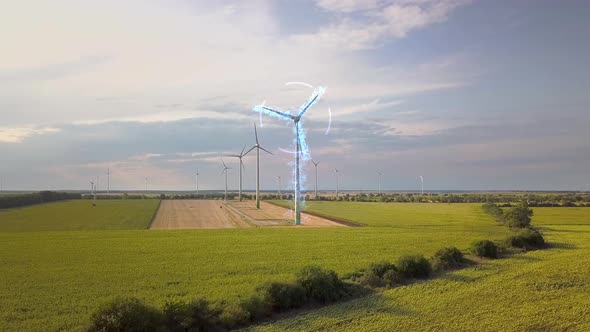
point(302, 151)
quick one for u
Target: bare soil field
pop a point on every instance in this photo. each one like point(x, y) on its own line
point(272, 215)
point(192, 214)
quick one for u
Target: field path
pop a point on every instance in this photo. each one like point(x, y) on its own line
point(273, 215)
point(194, 214)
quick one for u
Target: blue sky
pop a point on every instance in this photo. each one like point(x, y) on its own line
point(469, 94)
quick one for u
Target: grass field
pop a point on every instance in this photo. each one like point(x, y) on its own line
point(53, 280)
point(79, 215)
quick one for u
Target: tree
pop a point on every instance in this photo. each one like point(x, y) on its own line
point(519, 216)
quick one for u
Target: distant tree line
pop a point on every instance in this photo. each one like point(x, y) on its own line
point(18, 200)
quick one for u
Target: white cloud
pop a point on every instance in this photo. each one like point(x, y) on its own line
point(370, 23)
point(18, 134)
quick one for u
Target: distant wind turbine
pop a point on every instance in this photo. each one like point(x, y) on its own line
point(316, 177)
point(146, 185)
point(197, 181)
point(379, 179)
point(336, 171)
point(240, 156)
point(225, 169)
point(258, 148)
point(422, 183)
point(280, 185)
point(108, 180)
point(93, 192)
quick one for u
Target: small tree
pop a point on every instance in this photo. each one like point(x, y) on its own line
point(519, 216)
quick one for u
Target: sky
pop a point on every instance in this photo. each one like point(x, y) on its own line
point(472, 95)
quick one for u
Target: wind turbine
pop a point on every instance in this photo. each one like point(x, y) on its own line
point(93, 192)
point(108, 180)
point(336, 171)
point(197, 181)
point(316, 177)
point(240, 156)
point(301, 146)
point(380, 173)
point(146, 185)
point(225, 168)
point(422, 184)
point(258, 148)
point(280, 185)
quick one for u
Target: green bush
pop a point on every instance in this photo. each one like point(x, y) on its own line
point(379, 269)
point(256, 308)
point(196, 315)
point(448, 258)
point(283, 296)
point(322, 286)
point(414, 266)
point(526, 239)
point(126, 314)
point(485, 248)
point(493, 210)
point(392, 278)
point(519, 216)
point(234, 315)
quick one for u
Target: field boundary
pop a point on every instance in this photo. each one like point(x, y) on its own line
point(319, 215)
point(149, 225)
point(241, 215)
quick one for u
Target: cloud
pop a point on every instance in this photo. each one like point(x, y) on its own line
point(17, 135)
point(368, 24)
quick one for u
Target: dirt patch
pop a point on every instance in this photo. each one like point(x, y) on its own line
point(272, 215)
point(194, 214)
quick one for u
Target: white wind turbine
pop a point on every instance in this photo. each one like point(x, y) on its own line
point(422, 183)
point(280, 185)
point(225, 169)
point(336, 171)
point(197, 181)
point(93, 192)
point(379, 179)
point(240, 156)
point(108, 180)
point(258, 148)
point(316, 177)
point(301, 148)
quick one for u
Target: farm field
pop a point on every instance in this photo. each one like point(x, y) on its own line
point(192, 214)
point(538, 291)
point(275, 215)
point(57, 279)
point(79, 215)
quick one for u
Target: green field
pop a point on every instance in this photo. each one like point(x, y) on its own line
point(79, 215)
point(54, 280)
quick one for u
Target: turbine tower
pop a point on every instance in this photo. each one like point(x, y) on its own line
point(422, 182)
point(379, 179)
point(301, 146)
point(316, 177)
point(336, 171)
point(197, 181)
point(108, 180)
point(225, 168)
point(280, 185)
point(240, 156)
point(93, 192)
point(146, 185)
point(258, 148)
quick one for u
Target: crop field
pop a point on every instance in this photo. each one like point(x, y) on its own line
point(54, 280)
point(79, 215)
point(543, 290)
point(193, 214)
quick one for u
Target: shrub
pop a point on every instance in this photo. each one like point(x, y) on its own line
point(379, 269)
point(526, 239)
point(196, 315)
point(256, 308)
point(126, 314)
point(485, 248)
point(414, 266)
point(519, 216)
point(322, 286)
point(392, 278)
point(494, 211)
point(234, 315)
point(448, 258)
point(283, 296)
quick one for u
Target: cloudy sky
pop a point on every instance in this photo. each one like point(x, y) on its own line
point(469, 94)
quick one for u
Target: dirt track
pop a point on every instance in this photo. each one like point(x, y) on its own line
point(272, 215)
point(191, 214)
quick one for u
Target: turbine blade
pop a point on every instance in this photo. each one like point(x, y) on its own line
point(252, 148)
point(312, 100)
point(232, 155)
point(244, 148)
point(286, 115)
point(265, 150)
point(256, 134)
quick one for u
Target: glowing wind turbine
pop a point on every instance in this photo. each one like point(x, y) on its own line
point(301, 146)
